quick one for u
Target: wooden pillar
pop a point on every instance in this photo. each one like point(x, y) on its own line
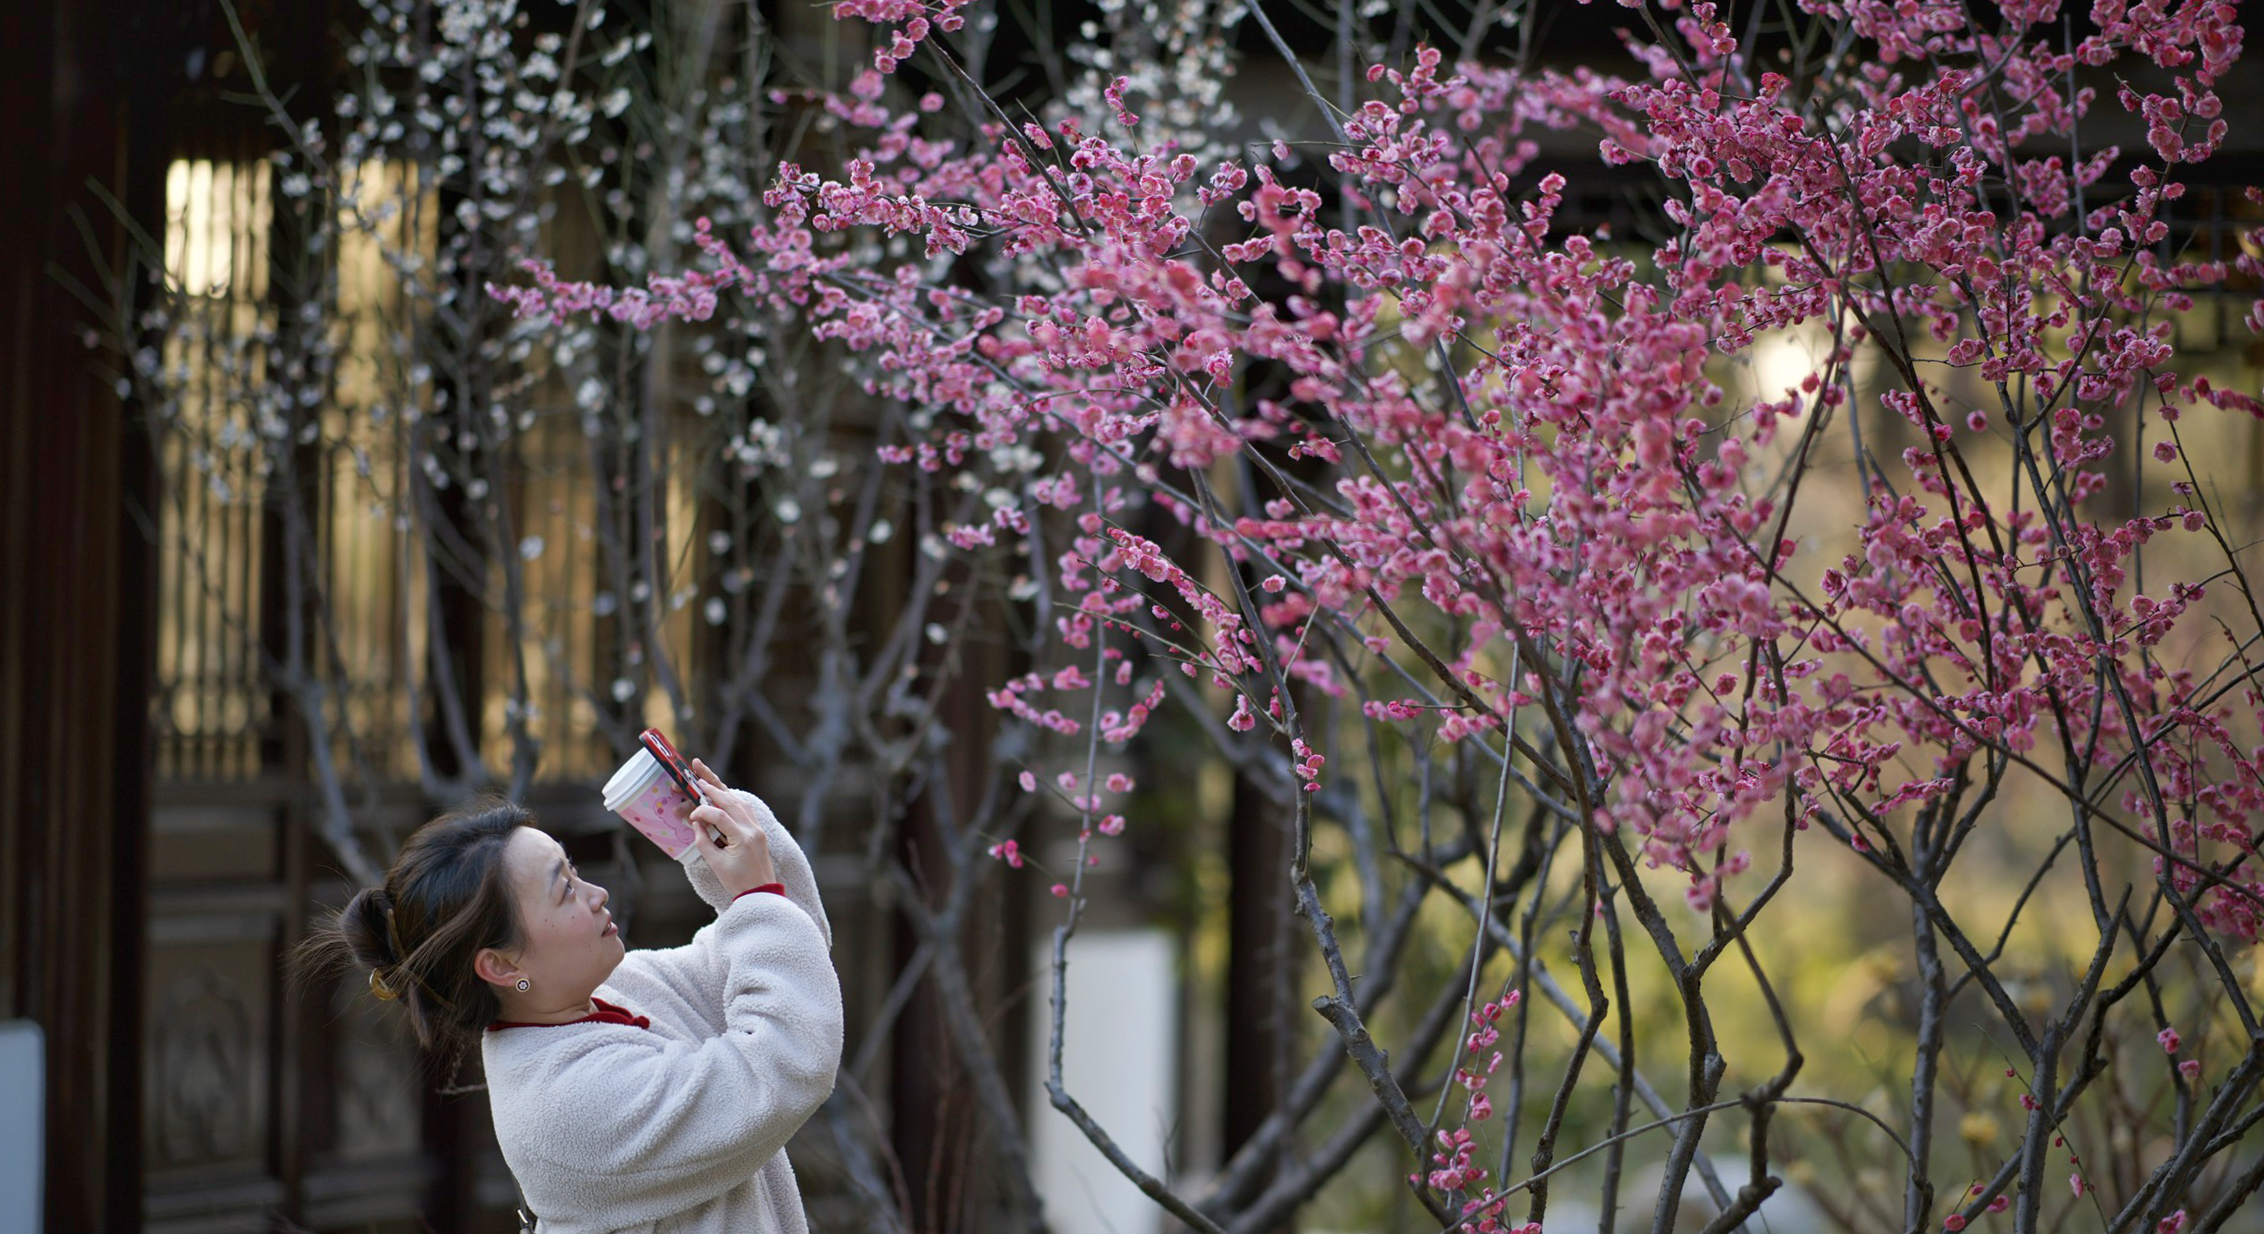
point(295, 46)
point(951, 1170)
point(1260, 1039)
point(76, 644)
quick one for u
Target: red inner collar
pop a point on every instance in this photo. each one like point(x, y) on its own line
point(606, 1013)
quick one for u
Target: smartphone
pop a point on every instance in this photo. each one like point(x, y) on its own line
point(655, 742)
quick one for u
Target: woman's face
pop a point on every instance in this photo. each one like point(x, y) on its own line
point(568, 942)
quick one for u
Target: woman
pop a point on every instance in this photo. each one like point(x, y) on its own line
point(649, 1091)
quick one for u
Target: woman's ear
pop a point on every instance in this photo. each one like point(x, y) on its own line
point(495, 968)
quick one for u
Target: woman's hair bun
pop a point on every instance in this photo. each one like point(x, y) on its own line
point(363, 923)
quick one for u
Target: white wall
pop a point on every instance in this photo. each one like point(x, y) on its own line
point(1120, 1061)
point(22, 1104)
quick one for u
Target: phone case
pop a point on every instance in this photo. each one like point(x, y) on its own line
point(671, 762)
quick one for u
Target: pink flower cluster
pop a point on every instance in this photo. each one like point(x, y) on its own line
point(1524, 439)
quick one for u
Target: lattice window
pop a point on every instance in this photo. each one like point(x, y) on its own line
point(332, 383)
point(211, 711)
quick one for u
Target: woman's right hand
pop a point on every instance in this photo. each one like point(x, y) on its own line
point(741, 862)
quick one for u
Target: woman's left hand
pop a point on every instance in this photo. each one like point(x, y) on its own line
point(738, 848)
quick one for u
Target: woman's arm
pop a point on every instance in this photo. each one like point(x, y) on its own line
point(793, 865)
point(688, 978)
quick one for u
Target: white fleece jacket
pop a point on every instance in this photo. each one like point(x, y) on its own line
point(682, 1128)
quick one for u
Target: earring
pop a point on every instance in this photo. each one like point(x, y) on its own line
point(522, 985)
